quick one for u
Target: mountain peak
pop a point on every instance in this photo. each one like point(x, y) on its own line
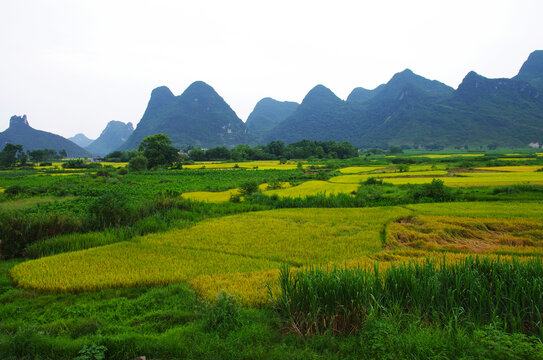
point(160, 96)
point(18, 121)
point(532, 70)
point(533, 66)
point(360, 94)
point(320, 93)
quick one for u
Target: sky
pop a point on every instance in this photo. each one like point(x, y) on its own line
point(74, 65)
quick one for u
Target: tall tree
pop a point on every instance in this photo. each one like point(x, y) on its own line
point(158, 150)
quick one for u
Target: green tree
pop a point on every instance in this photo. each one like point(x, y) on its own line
point(10, 154)
point(138, 163)
point(158, 150)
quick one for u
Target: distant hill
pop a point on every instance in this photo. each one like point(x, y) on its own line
point(20, 132)
point(412, 110)
point(268, 113)
point(198, 117)
point(112, 137)
point(532, 70)
point(80, 140)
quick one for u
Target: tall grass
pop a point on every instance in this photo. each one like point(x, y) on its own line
point(479, 290)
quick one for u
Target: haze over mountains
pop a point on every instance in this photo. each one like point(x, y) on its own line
point(20, 133)
point(112, 137)
point(407, 110)
point(198, 117)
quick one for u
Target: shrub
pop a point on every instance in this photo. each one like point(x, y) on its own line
point(249, 187)
point(373, 181)
point(92, 352)
point(138, 163)
point(436, 191)
point(224, 314)
point(110, 209)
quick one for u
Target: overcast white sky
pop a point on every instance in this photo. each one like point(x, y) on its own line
point(72, 65)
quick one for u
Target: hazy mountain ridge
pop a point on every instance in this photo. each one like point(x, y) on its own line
point(115, 134)
point(267, 114)
point(412, 110)
point(81, 140)
point(20, 133)
point(197, 117)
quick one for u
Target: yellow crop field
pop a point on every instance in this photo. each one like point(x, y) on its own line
point(361, 169)
point(241, 253)
point(497, 209)
point(260, 165)
point(357, 179)
point(314, 187)
point(252, 242)
point(516, 159)
point(441, 156)
point(518, 168)
point(222, 196)
point(477, 179)
point(114, 164)
point(211, 196)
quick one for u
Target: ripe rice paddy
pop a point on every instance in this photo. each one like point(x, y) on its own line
point(361, 169)
point(314, 187)
point(241, 253)
point(252, 165)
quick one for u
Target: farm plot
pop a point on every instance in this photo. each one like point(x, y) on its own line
point(241, 253)
point(242, 243)
point(314, 187)
point(477, 179)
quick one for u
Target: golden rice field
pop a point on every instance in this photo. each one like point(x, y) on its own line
point(211, 196)
point(248, 242)
point(241, 253)
point(260, 165)
point(442, 156)
point(357, 179)
point(222, 196)
point(516, 159)
point(518, 168)
point(361, 169)
point(314, 187)
point(477, 179)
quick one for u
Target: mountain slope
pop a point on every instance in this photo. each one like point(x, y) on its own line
point(20, 132)
point(198, 117)
point(319, 117)
point(532, 70)
point(80, 140)
point(412, 110)
point(268, 113)
point(114, 135)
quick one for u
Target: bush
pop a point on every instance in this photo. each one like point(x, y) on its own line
point(92, 352)
point(14, 190)
point(373, 181)
point(20, 230)
point(436, 191)
point(224, 314)
point(110, 209)
point(138, 163)
point(123, 171)
point(249, 187)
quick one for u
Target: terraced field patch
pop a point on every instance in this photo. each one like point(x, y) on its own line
point(361, 169)
point(357, 179)
point(241, 253)
point(242, 243)
point(314, 187)
point(477, 179)
point(518, 168)
point(256, 165)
